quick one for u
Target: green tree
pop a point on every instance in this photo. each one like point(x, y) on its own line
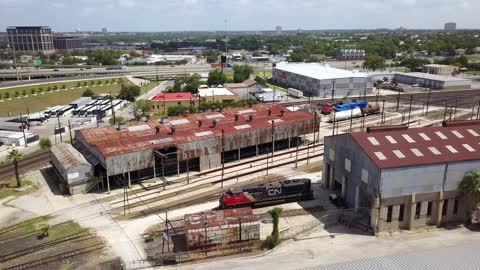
point(143, 107)
point(374, 62)
point(216, 77)
point(470, 185)
point(85, 83)
point(212, 56)
point(177, 110)
point(260, 80)
point(24, 92)
point(129, 92)
point(79, 84)
point(15, 156)
point(64, 86)
point(6, 95)
point(241, 72)
point(413, 63)
point(119, 120)
point(45, 144)
point(55, 87)
point(32, 91)
point(274, 238)
point(16, 94)
point(88, 93)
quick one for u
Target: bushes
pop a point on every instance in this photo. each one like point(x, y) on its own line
point(274, 239)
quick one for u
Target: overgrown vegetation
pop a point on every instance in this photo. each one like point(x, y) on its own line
point(470, 186)
point(274, 238)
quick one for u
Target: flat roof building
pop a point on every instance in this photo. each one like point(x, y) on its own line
point(321, 80)
point(439, 69)
point(403, 178)
point(450, 27)
point(30, 38)
point(162, 101)
point(220, 94)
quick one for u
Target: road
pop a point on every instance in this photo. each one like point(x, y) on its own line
point(344, 246)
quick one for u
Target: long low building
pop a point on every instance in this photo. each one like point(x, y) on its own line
point(15, 138)
point(403, 178)
point(318, 80)
point(193, 142)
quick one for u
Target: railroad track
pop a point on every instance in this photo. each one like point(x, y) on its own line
point(29, 163)
point(204, 196)
point(57, 257)
point(36, 248)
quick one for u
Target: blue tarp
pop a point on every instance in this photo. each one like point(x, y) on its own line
point(351, 106)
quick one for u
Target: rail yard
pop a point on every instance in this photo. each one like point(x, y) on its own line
point(151, 177)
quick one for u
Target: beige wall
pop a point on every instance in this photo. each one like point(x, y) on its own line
point(162, 106)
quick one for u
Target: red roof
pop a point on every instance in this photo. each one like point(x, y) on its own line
point(139, 137)
point(421, 146)
point(173, 96)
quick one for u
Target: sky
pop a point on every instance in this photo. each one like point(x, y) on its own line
point(209, 15)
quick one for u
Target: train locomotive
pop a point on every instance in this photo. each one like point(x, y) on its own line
point(267, 194)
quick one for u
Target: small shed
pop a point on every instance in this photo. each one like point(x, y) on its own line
point(72, 167)
point(209, 229)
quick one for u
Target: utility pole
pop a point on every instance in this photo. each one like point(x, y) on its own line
point(383, 113)
point(273, 139)
point(428, 100)
point(156, 73)
point(223, 156)
point(113, 110)
point(70, 130)
point(478, 109)
point(409, 110)
point(226, 39)
point(398, 100)
point(23, 130)
point(15, 60)
point(59, 128)
point(333, 90)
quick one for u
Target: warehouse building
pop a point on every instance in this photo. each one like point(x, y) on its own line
point(432, 81)
point(72, 168)
point(403, 178)
point(193, 142)
point(220, 94)
point(162, 101)
point(210, 229)
point(319, 80)
point(439, 69)
point(15, 138)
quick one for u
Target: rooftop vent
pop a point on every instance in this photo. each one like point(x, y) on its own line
point(157, 129)
point(172, 130)
point(200, 123)
point(214, 123)
point(250, 118)
point(269, 111)
point(237, 117)
point(282, 112)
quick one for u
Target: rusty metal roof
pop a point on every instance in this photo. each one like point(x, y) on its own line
point(221, 218)
point(68, 156)
point(421, 146)
point(112, 142)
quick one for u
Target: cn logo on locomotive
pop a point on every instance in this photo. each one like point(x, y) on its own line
point(275, 191)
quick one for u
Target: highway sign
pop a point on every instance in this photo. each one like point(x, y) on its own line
point(38, 62)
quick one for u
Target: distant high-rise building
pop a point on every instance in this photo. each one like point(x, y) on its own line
point(104, 30)
point(30, 38)
point(278, 30)
point(299, 31)
point(450, 26)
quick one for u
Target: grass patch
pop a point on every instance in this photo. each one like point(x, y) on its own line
point(435, 115)
point(65, 229)
point(27, 226)
point(39, 101)
point(11, 191)
point(274, 87)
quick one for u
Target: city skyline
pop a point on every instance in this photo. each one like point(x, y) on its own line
point(244, 15)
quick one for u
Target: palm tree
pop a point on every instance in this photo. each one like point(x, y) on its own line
point(14, 155)
point(470, 186)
